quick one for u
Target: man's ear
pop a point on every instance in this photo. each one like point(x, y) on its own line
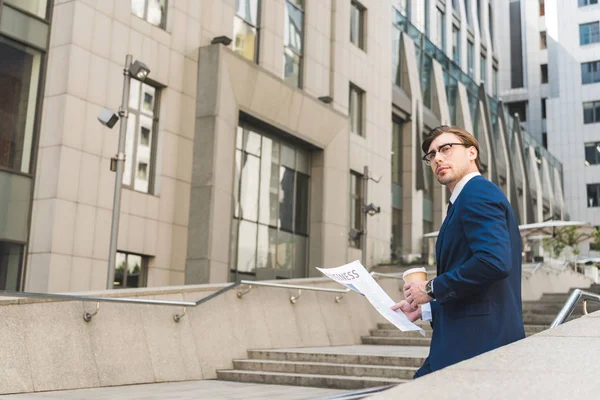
point(472, 153)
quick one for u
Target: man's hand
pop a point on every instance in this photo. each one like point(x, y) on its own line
point(411, 313)
point(415, 293)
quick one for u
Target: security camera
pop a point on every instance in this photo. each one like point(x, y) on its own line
point(372, 209)
point(108, 118)
point(355, 234)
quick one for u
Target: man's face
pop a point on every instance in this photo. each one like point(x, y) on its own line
point(450, 169)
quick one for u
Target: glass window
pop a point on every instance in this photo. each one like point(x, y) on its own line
point(19, 81)
point(153, 11)
point(583, 3)
point(426, 78)
point(518, 107)
point(590, 72)
point(495, 81)
point(591, 112)
point(544, 73)
point(11, 260)
point(245, 29)
point(456, 44)
point(293, 42)
point(271, 215)
point(356, 110)
point(471, 59)
point(356, 203)
point(357, 24)
point(441, 27)
point(396, 242)
point(401, 6)
point(131, 271)
point(543, 43)
point(544, 108)
point(468, 12)
point(140, 142)
point(593, 195)
point(483, 70)
point(589, 33)
point(542, 8)
point(491, 24)
point(479, 19)
point(396, 55)
point(35, 7)
point(592, 153)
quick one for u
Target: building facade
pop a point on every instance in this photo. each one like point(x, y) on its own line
point(265, 132)
point(552, 81)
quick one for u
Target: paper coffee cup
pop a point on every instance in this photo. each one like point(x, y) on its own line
point(415, 275)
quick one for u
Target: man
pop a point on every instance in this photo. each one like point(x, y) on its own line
point(475, 299)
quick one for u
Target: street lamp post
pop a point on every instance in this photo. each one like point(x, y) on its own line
point(139, 71)
point(367, 210)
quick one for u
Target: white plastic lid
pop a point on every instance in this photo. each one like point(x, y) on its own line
point(413, 270)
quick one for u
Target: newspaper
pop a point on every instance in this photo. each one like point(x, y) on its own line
point(354, 276)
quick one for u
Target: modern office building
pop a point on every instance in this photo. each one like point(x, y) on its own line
point(266, 138)
point(552, 80)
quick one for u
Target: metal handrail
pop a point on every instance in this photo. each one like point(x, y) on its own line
point(300, 288)
point(88, 316)
point(571, 302)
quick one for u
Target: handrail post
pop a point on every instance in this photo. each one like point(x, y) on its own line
point(567, 308)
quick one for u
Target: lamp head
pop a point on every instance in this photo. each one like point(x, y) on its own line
point(139, 70)
point(108, 118)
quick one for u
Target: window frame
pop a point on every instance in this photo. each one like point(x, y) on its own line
point(594, 148)
point(590, 187)
point(544, 75)
point(542, 9)
point(361, 11)
point(585, 3)
point(298, 5)
point(595, 112)
point(361, 97)
point(594, 73)
point(143, 277)
point(544, 110)
point(356, 197)
point(153, 148)
point(543, 40)
point(589, 34)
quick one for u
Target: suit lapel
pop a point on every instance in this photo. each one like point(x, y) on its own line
point(440, 241)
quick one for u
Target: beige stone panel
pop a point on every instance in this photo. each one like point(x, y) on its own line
point(179, 248)
point(184, 159)
point(68, 175)
point(337, 150)
point(224, 154)
point(135, 242)
point(197, 271)
point(93, 134)
point(16, 374)
point(88, 179)
point(79, 67)
point(265, 100)
point(106, 186)
point(72, 135)
point(190, 77)
point(136, 44)
point(52, 121)
point(98, 274)
point(206, 99)
point(161, 36)
point(38, 270)
point(102, 233)
point(193, 38)
point(48, 168)
point(187, 117)
point(178, 33)
point(140, 25)
point(204, 155)
point(167, 200)
point(221, 217)
point(283, 332)
point(163, 245)
point(114, 92)
point(149, 55)
point(83, 22)
point(64, 226)
point(139, 203)
point(102, 30)
point(62, 24)
point(126, 200)
point(119, 42)
point(160, 72)
point(171, 117)
point(81, 272)
point(152, 203)
point(337, 319)
point(159, 277)
point(335, 244)
point(170, 344)
point(310, 323)
point(176, 71)
point(336, 196)
point(58, 69)
point(120, 346)
point(182, 203)
point(266, 45)
point(66, 364)
point(122, 12)
point(106, 7)
point(177, 278)
point(59, 276)
point(123, 236)
point(150, 236)
point(203, 320)
point(170, 148)
point(85, 220)
point(42, 215)
point(238, 78)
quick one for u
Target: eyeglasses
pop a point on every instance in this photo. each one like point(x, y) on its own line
point(445, 150)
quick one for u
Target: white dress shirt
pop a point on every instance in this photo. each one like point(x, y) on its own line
point(426, 308)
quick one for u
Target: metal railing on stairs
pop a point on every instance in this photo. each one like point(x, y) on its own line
point(571, 302)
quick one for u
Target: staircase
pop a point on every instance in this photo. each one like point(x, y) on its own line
point(387, 356)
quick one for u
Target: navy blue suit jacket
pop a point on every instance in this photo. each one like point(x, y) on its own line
point(478, 287)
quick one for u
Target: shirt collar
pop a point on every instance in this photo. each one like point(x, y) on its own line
point(461, 184)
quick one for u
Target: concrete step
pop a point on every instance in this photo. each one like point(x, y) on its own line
point(322, 381)
point(386, 325)
point(314, 368)
point(396, 341)
point(303, 356)
point(533, 329)
point(395, 332)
